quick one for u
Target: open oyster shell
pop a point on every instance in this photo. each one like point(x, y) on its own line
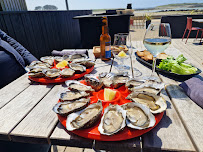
point(157, 104)
point(67, 72)
point(73, 95)
point(84, 118)
point(77, 67)
point(65, 108)
point(120, 79)
point(145, 89)
point(138, 116)
point(85, 62)
point(106, 78)
point(51, 73)
point(76, 57)
point(93, 81)
point(47, 59)
point(132, 82)
point(113, 120)
point(36, 73)
point(77, 86)
point(58, 59)
point(37, 64)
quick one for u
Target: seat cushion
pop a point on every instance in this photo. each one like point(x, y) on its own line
point(27, 56)
point(9, 67)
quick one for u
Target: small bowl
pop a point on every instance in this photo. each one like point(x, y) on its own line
point(116, 100)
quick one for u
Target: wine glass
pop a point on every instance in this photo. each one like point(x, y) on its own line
point(157, 38)
point(122, 50)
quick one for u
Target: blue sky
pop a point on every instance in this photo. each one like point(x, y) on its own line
point(101, 4)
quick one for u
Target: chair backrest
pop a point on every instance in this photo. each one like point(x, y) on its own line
point(189, 23)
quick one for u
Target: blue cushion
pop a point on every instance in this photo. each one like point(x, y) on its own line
point(27, 56)
point(9, 67)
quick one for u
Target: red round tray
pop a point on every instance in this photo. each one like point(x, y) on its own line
point(61, 79)
point(127, 133)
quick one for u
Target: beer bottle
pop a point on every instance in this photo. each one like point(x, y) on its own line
point(105, 41)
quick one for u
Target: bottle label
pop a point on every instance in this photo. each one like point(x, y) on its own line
point(107, 49)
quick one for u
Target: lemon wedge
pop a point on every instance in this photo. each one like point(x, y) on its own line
point(122, 54)
point(62, 64)
point(109, 94)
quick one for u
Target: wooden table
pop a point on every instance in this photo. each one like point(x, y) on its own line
point(26, 115)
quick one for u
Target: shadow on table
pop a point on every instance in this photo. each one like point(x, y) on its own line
point(151, 140)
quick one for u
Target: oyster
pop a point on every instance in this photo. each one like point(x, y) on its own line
point(48, 59)
point(66, 57)
point(145, 89)
point(106, 78)
point(138, 116)
point(133, 83)
point(77, 86)
point(84, 118)
point(76, 57)
point(52, 73)
point(58, 59)
point(77, 67)
point(85, 62)
point(93, 81)
point(36, 73)
point(157, 104)
point(67, 72)
point(113, 120)
point(153, 84)
point(65, 108)
point(73, 95)
point(37, 64)
point(120, 79)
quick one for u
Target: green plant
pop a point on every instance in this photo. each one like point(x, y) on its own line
point(148, 17)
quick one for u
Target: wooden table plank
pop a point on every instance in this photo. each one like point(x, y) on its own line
point(190, 113)
point(13, 112)
point(10, 91)
point(62, 137)
point(169, 134)
point(41, 121)
point(160, 138)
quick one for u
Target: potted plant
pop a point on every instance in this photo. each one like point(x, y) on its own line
point(148, 19)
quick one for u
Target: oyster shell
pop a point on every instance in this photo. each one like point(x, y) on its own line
point(113, 120)
point(77, 67)
point(36, 73)
point(73, 95)
point(145, 89)
point(138, 116)
point(84, 118)
point(153, 84)
point(66, 57)
point(85, 62)
point(65, 108)
point(58, 59)
point(157, 104)
point(133, 83)
point(93, 81)
point(120, 79)
point(47, 59)
point(67, 72)
point(76, 57)
point(77, 86)
point(37, 64)
point(52, 73)
point(106, 78)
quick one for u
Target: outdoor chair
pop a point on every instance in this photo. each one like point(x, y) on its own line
point(190, 28)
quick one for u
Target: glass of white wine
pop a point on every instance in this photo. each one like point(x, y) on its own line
point(157, 38)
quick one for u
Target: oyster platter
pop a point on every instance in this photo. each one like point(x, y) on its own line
point(59, 69)
point(85, 109)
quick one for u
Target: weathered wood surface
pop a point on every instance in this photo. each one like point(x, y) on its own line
point(13, 112)
point(43, 31)
point(37, 123)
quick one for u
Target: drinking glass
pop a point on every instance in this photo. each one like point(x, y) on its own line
point(157, 38)
point(122, 42)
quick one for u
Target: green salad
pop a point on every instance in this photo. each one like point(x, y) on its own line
point(177, 65)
